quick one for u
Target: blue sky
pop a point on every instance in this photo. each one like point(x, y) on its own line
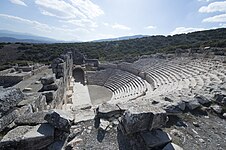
point(86, 20)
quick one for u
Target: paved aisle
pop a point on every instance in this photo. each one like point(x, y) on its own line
point(81, 97)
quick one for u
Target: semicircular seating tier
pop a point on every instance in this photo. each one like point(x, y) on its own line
point(156, 77)
point(124, 85)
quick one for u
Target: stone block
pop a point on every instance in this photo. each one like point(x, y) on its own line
point(39, 103)
point(155, 139)
point(48, 80)
point(58, 121)
point(50, 87)
point(28, 137)
point(202, 99)
point(193, 104)
point(65, 114)
point(8, 119)
point(138, 119)
point(220, 99)
point(31, 118)
point(49, 96)
point(172, 109)
point(9, 98)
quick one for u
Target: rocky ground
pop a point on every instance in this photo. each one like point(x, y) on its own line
point(196, 124)
point(197, 130)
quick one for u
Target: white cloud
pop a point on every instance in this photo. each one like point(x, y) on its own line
point(204, 0)
point(80, 13)
point(88, 8)
point(180, 30)
point(151, 27)
point(214, 7)
point(217, 18)
point(70, 9)
point(46, 30)
point(35, 24)
point(81, 23)
point(18, 2)
point(120, 27)
point(106, 24)
point(44, 12)
point(59, 8)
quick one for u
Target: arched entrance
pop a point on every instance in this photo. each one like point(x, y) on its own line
point(79, 75)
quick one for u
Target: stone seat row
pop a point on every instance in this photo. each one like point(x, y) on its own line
point(124, 85)
point(170, 76)
point(131, 90)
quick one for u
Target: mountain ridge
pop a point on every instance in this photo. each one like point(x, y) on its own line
point(121, 38)
point(11, 36)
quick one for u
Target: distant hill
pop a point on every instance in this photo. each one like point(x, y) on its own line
point(127, 50)
point(14, 40)
point(121, 38)
point(10, 36)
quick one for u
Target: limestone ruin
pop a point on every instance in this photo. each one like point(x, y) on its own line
point(113, 105)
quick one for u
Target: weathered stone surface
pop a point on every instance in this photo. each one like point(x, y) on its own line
point(73, 143)
point(39, 103)
point(25, 110)
point(168, 99)
point(219, 98)
point(28, 137)
point(216, 108)
point(17, 133)
point(202, 99)
point(50, 87)
point(57, 121)
point(176, 133)
point(31, 118)
point(65, 114)
point(83, 115)
point(172, 109)
point(48, 80)
point(9, 98)
point(27, 89)
point(181, 105)
point(155, 139)
point(7, 119)
point(137, 119)
point(104, 124)
point(49, 96)
point(57, 145)
point(172, 146)
point(193, 104)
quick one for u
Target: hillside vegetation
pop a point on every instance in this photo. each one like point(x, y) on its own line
point(113, 50)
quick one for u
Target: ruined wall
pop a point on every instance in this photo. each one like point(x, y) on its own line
point(62, 68)
point(10, 77)
point(107, 65)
